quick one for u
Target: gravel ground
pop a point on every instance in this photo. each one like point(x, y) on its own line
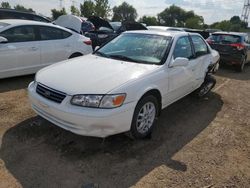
point(197, 143)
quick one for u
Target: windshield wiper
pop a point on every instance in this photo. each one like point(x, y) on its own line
point(101, 54)
point(125, 58)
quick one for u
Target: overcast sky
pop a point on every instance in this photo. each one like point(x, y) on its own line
point(211, 10)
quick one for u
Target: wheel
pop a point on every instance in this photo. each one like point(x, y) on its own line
point(206, 87)
point(144, 117)
point(240, 68)
point(75, 55)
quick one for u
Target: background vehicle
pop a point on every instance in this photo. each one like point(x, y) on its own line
point(14, 14)
point(26, 46)
point(106, 31)
point(234, 48)
point(75, 23)
point(124, 85)
point(204, 34)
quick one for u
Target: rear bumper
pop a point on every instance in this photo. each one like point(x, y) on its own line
point(83, 121)
point(231, 59)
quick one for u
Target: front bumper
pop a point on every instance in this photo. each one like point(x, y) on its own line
point(81, 120)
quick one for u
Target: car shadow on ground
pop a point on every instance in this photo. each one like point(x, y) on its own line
point(229, 72)
point(15, 83)
point(39, 154)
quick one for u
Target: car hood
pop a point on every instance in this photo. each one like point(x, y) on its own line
point(99, 22)
point(91, 74)
point(69, 21)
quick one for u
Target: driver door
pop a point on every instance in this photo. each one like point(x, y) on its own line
point(182, 78)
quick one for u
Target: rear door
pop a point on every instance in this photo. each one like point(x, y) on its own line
point(21, 55)
point(55, 45)
point(202, 59)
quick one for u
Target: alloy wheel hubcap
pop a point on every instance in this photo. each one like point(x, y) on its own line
point(145, 118)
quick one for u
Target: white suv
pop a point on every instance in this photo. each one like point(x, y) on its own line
point(125, 84)
point(27, 46)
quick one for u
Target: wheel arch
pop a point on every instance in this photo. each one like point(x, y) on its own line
point(75, 54)
point(154, 92)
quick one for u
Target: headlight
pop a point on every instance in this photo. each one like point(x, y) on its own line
point(99, 101)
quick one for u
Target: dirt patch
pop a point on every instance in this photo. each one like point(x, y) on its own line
point(197, 143)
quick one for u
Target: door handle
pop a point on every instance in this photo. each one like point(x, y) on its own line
point(33, 48)
point(66, 45)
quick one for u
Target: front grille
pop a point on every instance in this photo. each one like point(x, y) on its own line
point(50, 94)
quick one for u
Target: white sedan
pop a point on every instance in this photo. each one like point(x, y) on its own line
point(27, 46)
point(125, 84)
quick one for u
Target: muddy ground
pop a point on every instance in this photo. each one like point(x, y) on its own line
point(197, 143)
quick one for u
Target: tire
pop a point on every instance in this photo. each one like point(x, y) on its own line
point(240, 68)
point(75, 55)
point(144, 117)
point(206, 87)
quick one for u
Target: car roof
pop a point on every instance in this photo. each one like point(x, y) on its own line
point(24, 12)
point(19, 22)
point(165, 28)
point(164, 33)
point(229, 33)
point(22, 22)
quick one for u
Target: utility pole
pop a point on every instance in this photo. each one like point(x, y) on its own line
point(245, 11)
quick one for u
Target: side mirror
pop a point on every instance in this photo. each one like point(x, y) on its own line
point(179, 61)
point(3, 40)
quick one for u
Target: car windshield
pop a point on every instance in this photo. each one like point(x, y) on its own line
point(140, 48)
point(225, 39)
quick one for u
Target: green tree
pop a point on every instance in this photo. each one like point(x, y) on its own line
point(102, 8)
point(235, 20)
point(87, 8)
point(196, 22)
point(173, 16)
point(23, 9)
point(5, 4)
point(124, 12)
point(74, 11)
point(56, 13)
point(149, 20)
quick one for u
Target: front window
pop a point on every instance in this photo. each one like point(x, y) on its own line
point(20, 34)
point(183, 48)
point(135, 47)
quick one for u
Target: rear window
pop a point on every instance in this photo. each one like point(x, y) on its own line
point(225, 39)
point(2, 25)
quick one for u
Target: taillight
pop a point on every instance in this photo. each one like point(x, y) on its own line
point(88, 42)
point(239, 46)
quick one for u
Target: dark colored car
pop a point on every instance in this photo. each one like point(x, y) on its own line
point(234, 48)
point(87, 26)
point(106, 31)
point(14, 14)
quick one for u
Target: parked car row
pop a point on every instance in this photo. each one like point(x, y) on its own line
point(125, 83)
